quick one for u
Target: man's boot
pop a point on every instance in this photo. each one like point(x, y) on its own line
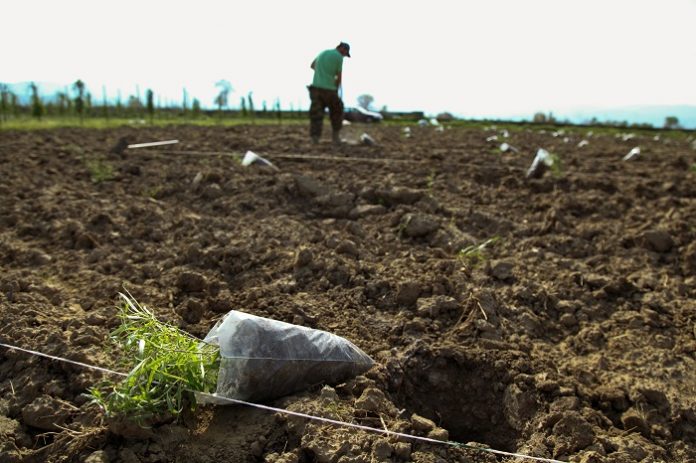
point(336, 138)
point(315, 139)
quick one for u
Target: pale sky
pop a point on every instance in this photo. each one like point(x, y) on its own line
point(472, 58)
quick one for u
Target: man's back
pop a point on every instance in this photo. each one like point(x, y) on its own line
point(327, 65)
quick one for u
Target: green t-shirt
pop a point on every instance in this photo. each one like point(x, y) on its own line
point(327, 65)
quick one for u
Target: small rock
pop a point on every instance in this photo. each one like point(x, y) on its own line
point(328, 394)
point(348, 247)
point(573, 432)
point(127, 455)
point(402, 451)
point(100, 456)
point(191, 282)
point(212, 191)
point(633, 420)
point(303, 258)
point(46, 413)
point(192, 311)
point(501, 270)
point(418, 225)
point(399, 195)
point(407, 292)
point(483, 325)
point(439, 434)
point(308, 186)
point(568, 320)
point(422, 424)
point(365, 210)
point(435, 306)
point(373, 400)
point(657, 240)
point(382, 449)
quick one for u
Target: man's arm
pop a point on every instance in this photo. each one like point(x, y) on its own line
point(338, 79)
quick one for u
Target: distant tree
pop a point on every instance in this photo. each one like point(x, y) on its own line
point(251, 104)
point(37, 106)
point(88, 104)
point(14, 104)
point(671, 122)
point(279, 113)
point(150, 103)
point(79, 87)
point(134, 102)
point(119, 104)
point(196, 107)
point(264, 108)
point(364, 101)
point(243, 107)
point(539, 118)
point(105, 107)
point(221, 99)
point(184, 102)
point(4, 101)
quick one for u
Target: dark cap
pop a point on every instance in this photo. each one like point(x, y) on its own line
point(346, 47)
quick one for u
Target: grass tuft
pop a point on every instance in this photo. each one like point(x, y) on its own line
point(476, 253)
point(166, 363)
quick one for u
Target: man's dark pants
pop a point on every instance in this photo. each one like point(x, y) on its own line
point(321, 99)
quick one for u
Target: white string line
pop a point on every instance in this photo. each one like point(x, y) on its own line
point(297, 414)
point(153, 143)
point(310, 157)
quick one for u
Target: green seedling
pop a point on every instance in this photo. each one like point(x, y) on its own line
point(166, 366)
point(476, 253)
point(693, 167)
point(431, 180)
point(555, 166)
point(99, 170)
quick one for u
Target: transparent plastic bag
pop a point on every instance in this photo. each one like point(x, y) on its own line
point(263, 359)
point(542, 161)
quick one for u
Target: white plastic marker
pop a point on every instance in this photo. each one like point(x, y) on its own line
point(298, 414)
point(154, 143)
point(252, 158)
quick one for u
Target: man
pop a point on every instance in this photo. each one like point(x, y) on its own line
point(323, 92)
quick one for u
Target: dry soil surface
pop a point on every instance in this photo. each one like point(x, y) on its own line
point(570, 335)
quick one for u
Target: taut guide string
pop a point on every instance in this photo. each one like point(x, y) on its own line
point(291, 413)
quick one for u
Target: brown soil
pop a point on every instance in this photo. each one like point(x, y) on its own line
point(574, 337)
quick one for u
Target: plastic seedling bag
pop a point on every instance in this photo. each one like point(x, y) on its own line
point(632, 155)
point(263, 359)
point(252, 158)
point(542, 161)
point(366, 139)
point(505, 147)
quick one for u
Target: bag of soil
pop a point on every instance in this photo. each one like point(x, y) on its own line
point(263, 359)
